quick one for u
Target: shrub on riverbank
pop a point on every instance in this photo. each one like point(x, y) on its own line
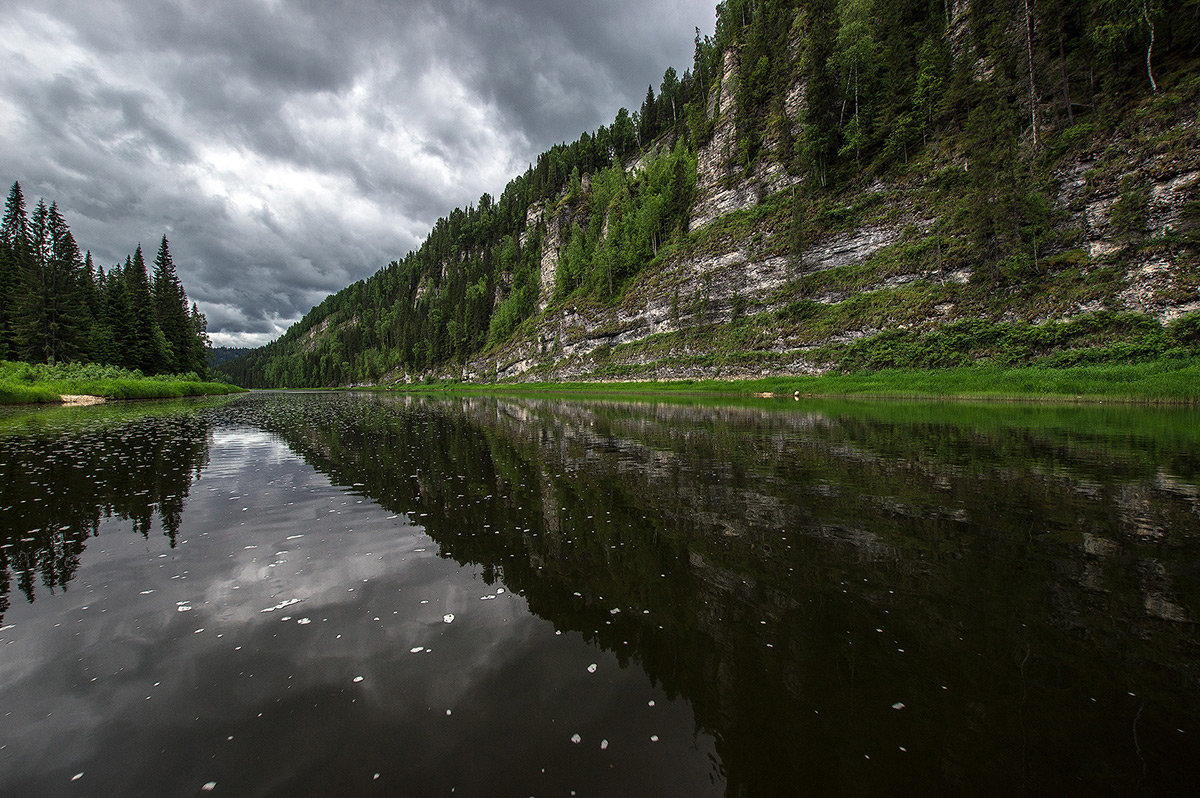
point(28, 383)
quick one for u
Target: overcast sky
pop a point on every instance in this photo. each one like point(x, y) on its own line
point(288, 149)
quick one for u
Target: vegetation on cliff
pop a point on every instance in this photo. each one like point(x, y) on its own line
point(971, 137)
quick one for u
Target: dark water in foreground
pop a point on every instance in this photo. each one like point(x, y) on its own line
point(291, 594)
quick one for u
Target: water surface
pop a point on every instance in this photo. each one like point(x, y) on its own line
point(285, 594)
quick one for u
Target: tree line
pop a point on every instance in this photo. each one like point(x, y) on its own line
point(1009, 85)
point(57, 306)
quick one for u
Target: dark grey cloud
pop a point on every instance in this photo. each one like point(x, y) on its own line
point(290, 148)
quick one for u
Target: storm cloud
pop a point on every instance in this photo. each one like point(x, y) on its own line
point(288, 149)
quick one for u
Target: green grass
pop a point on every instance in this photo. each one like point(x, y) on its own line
point(1169, 381)
point(30, 383)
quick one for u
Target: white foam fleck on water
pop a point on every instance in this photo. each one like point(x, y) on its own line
point(357, 679)
point(604, 745)
point(416, 649)
point(293, 537)
point(592, 668)
point(282, 604)
point(304, 621)
point(575, 738)
point(209, 786)
point(898, 705)
point(653, 738)
point(448, 618)
point(77, 776)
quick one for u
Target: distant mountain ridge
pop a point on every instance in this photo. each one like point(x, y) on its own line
point(832, 185)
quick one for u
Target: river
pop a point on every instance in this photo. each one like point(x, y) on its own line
point(356, 593)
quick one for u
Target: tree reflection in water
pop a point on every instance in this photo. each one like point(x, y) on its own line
point(969, 595)
point(59, 478)
point(851, 597)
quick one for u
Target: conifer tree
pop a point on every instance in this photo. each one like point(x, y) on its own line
point(91, 309)
point(56, 306)
point(171, 310)
point(51, 311)
point(14, 249)
point(30, 305)
point(624, 135)
point(147, 346)
point(648, 121)
point(115, 343)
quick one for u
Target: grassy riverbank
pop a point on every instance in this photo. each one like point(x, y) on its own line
point(1174, 381)
point(30, 383)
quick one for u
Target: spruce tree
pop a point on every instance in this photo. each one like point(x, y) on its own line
point(116, 338)
point(31, 294)
point(171, 310)
point(648, 120)
point(50, 310)
point(67, 309)
point(14, 249)
point(147, 346)
point(90, 306)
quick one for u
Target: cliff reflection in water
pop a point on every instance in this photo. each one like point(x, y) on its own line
point(61, 478)
point(849, 596)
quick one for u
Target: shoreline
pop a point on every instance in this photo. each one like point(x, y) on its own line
point(1174, 383)
point(90, 393)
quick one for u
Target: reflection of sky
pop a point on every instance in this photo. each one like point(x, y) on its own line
point(154, 658)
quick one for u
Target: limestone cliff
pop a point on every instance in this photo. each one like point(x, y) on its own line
point(723, 275)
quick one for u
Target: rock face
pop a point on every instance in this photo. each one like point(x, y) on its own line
point(714, 160)
point(720, 185)
point(1153, 283)
point(740, 258)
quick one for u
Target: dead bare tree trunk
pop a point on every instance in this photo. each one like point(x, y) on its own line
point(1032, 90)
point(1150, 48)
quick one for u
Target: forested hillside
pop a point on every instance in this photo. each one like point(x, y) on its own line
point(832, 184)
point(218, 355)
point(57, 306)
